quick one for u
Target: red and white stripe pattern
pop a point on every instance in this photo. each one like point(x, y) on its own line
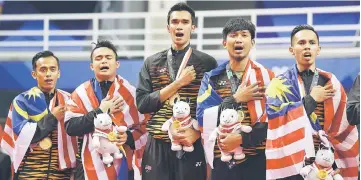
point(254, 72)
point(67, 146)
point(16, 146)
point(288, 137)
point(83, 100)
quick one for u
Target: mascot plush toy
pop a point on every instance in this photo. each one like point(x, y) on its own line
point(103, 136)
point(322, 169)
point(180, 120)
point(229, 123)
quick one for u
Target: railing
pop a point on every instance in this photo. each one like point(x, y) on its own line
point(265, 46)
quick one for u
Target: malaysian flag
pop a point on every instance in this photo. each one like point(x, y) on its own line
point(289, 135)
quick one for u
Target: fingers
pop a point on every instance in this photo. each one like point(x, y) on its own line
point(118, 102)
point(328, 86)
point(254, 84)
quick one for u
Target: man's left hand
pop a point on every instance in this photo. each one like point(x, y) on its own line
point(188, 136)
point(121, 138)
point(230, 142)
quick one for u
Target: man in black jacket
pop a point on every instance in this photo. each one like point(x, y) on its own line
point(172, 74)
point(353, 104)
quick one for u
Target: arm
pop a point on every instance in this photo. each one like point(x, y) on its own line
point(78, 126)
point(165, 126)
point(96, 141)
point(353, 103)
point(147, 100)
point(309, 103)
point(47, 124)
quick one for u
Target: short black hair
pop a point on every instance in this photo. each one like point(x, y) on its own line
point(104, 43)
point(43, 54)
point(303, 27)
point(182, 7)
point(238, 24)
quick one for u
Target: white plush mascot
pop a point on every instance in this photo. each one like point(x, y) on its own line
point(322, 169)
point(229, 123)
point(180, 120)
point(103, 135)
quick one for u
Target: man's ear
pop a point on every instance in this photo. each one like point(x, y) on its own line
point(118, 64)
point(318, 50)
point(224, 43)
point(168, 28)
point(253, 42)
point(193, 28)
point(91, 66)
point(290, 49)
point(33, 74)
point(58, 74)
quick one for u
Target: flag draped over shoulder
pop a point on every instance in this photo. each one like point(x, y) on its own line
point(208, 101)
point(289, 135)
point(87, 97)
point(25, 110)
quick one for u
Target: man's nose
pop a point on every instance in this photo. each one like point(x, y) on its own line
point(307, 46)
point(238, 39)
point(179, 26)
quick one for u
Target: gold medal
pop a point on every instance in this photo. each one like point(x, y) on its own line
point(240, 115)
point(112, 136)
point(45, 143)
point(172, 100)
point(322, 174)
point(176, 124)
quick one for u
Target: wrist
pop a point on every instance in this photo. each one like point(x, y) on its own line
point(103, 109)
point(177, 84)
point(236, 98)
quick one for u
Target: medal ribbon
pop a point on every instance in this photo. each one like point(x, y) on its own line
point(315, 123)
point(181, 67)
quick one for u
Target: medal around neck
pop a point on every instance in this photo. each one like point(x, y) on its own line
point(45, 143)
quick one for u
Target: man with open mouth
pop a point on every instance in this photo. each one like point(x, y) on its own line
point(166, 76)
point(109, 93)
point(236, 84)
point(34, 134)
point(307, 106)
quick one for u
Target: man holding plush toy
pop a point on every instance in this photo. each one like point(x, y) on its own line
point(106, 93)
point(237, 84)
point(306, 107)
point(174, 73)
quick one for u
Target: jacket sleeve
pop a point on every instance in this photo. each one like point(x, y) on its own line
point(147, 100)
point(309, 103)
point(78, 126)
point(46, 124)
point(353, 103)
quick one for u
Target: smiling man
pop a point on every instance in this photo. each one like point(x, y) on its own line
point(172, 74)
point(109, 93)
point(304, 103)
point(238, 83)
point(34, 134)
